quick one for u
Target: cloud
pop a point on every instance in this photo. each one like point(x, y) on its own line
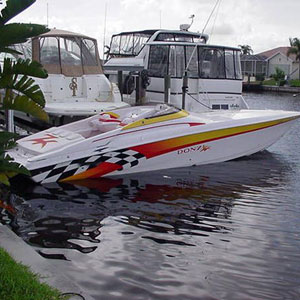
point(263, 24)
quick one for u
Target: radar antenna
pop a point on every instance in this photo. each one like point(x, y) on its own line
point(186, 27)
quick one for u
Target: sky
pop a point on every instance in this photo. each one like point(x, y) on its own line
point(261, 24)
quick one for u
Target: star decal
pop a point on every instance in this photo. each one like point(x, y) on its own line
point(44, 140)
point(205, 148)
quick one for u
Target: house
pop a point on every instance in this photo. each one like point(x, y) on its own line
point(253, 65)
point(278, 58)
point(266, 63)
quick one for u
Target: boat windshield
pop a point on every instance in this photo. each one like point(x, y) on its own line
point(128, 44)
point(162, 110)
point(207, 62)
point(68, 55)
point(70, 51)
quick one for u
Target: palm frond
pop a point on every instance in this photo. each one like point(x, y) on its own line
point(25, 104)
point(16, 33)
point(13, 8)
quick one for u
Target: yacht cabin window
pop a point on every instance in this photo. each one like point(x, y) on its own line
point(89, 53)
point(192, 61)
point(176, 61)
point(158, 61)
point(237, 65)
point(178, 37)
point(229, 63)
point(128, 44)
point(203, 62)
point(49, 53)
point(211, 63)
point(72, 51)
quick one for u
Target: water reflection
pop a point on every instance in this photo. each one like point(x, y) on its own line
point(195, 202)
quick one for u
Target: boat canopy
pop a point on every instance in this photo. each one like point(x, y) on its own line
point(132, 42)
point(201, 61)
point(67, 53)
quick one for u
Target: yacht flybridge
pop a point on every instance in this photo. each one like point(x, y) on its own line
point(147, 138)
point(76, 85)
point(213, 72)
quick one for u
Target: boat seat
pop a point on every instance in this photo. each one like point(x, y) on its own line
point(137, 115)
point(68, 135)
point(105, 122)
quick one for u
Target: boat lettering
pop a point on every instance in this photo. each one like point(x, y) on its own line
point(201, 148)
point(73, 85)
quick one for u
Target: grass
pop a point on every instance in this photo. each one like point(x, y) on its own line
point(17, 282)
point(294, 82)
point(270, 82)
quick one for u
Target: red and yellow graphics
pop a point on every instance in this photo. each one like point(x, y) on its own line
point(132, 156)
point(43, 141)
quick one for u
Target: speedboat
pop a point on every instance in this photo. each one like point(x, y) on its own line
point(147, 138)
point(76, 86)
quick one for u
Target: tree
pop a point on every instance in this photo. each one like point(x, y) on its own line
point(246, 49)
point(295, 49)
point(18, 90)
point(279, 76)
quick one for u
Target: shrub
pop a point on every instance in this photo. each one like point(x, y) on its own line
point(294, 82)
point(260, 77)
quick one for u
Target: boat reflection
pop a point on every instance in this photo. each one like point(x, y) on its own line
point(189, 201)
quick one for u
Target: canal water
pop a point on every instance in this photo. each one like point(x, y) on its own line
point(224, 231)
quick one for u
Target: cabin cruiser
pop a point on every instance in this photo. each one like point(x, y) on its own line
point(147, 138)
point(76, 86)
point(213, 73)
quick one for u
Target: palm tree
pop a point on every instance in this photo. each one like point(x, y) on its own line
point(295, 49)
point(246, 49)
point(17, 89)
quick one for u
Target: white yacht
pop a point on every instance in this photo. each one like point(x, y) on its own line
point(76, 86)
point(213, 73)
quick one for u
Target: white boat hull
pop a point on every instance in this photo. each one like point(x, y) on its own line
point(170, 141)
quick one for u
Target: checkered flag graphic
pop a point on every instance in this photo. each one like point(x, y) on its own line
point(126, 158)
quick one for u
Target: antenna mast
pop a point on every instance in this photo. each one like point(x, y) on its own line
point(104, 31)
point(47, 14)
point(188, 64)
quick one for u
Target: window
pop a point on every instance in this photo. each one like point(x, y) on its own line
point(49, 53)
point(70, 51)
point(237, 64)
point(138, 42)
point(115, 45)
point(88, 49)
point(192, 61)
point(126, 44)
point(211, 63)
point(158, 61)
point(176, 61)
point(229, 64)
point(183, 38)
point(165, 37)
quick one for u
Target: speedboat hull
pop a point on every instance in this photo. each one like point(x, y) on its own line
point(162, 141)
